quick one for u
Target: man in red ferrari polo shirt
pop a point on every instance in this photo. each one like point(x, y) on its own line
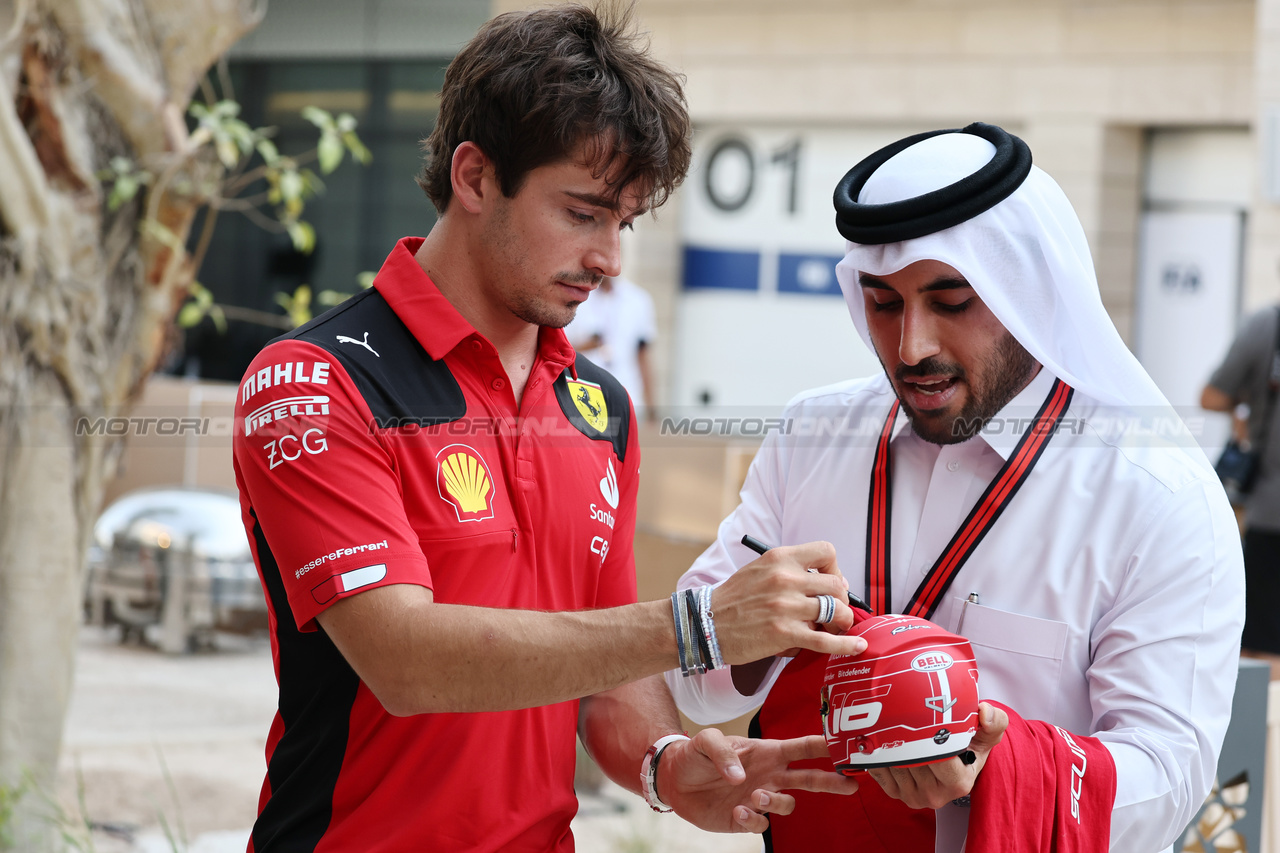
point(441, 496)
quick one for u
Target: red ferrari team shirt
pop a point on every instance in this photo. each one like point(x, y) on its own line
point(381, 444)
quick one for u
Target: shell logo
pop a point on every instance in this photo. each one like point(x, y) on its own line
point(464, 481)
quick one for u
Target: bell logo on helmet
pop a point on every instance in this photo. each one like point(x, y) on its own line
point(942, 736)
point(932, 661)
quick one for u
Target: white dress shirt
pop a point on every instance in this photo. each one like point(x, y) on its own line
point(623, 318)
point(1110, 592)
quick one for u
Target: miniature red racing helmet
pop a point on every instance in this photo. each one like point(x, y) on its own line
point(910, 698)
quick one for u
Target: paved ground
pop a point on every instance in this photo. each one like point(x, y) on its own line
point(155, 740)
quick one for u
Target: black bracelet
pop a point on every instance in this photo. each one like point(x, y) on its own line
point(700, 636)
point(676, 601)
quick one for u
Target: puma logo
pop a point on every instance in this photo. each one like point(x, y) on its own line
point(343, 339)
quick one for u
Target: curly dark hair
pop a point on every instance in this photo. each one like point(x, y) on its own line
point(537, 87)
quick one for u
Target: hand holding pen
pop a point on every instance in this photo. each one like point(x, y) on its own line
point(770, 606)
point(760, 548)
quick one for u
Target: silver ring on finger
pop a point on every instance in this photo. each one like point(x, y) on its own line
point(826, 609)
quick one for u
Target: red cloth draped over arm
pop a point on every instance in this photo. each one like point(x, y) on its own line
point(1043, 789)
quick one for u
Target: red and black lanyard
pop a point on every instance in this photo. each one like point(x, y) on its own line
point(981, 518)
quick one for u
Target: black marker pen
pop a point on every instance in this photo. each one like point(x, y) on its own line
point(759, 547)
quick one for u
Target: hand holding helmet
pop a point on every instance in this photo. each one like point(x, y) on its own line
point(906, 707)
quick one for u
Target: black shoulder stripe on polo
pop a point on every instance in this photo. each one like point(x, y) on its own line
point(401, 383)
point(596, 404)
point(317, 691)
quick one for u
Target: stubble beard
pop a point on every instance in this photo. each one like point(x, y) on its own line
point(1003, 375)
point(544, 312)
point(526, 304)
point(530, 310)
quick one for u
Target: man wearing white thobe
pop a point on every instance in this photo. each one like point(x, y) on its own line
point(1107, 599)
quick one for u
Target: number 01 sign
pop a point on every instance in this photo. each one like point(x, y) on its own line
point(757, 207)
point(760, 315)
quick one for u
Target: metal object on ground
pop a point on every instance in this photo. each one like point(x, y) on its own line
point(177, 559)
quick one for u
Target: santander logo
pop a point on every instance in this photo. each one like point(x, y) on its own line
point(609, 486)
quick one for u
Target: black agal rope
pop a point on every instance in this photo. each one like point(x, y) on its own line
point(937, 210)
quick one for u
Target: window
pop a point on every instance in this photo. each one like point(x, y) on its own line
point(363, 211)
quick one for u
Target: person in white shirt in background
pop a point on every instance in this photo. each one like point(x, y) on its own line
point(614, 329)
point(1107, 597)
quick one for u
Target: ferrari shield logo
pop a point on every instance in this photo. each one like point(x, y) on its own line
point(589, 400)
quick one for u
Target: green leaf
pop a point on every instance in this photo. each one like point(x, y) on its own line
point(312, 183)
point(330, 152)
point(219, 318)
point(190, 315)
point(123, 190)
point(210, 123)
point(198, 110)
point(320, 118)
point(359, 152)
point(290, 186)
point(303, 236)
point(332, 297)
point(298, 304)
point(268, 150)
point(365, 279)
point(274, 196)
point(240, 132)
point(346, 123)
point(161, 234)
point(228, 151)
point(121, 165)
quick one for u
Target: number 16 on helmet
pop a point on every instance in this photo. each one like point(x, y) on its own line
point(910, 698)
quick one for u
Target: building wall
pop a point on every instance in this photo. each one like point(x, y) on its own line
point(1262, 253)
point(1081, 79)
point(362, 29)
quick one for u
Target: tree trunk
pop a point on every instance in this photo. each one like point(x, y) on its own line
point(86, 302)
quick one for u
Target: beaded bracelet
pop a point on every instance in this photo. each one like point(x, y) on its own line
point(709, 625)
